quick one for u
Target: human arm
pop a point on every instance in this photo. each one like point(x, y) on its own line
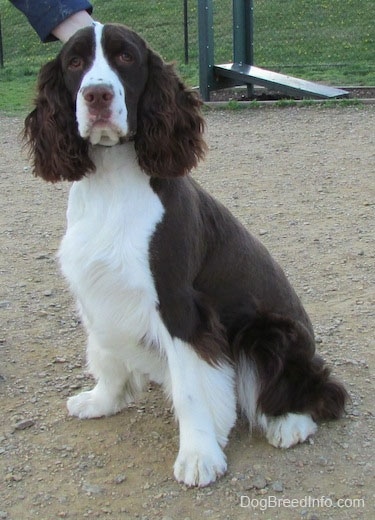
point(56, 19)
point(69, 26)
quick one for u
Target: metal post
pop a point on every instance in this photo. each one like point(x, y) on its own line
point(1, 47)
point(186, 32)
point(206, 47)
point(250, 31)
point(243, 37)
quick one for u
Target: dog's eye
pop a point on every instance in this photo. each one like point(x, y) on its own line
point(125, 58)
point(76, 63)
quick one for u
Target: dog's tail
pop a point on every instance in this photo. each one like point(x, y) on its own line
point(278, 366)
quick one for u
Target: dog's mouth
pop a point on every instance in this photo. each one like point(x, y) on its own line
point(102, 131)
point(104, 137)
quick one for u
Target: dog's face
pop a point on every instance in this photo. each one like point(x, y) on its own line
point(105, 87)
point(105, 71)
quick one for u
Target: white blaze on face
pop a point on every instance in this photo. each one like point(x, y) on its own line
point(103, 127)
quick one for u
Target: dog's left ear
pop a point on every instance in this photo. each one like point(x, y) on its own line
point(169, 140)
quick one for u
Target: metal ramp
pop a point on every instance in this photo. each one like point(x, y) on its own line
point(243, 72)
point(249, 74)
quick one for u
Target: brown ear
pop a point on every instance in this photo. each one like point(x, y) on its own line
point(169, 140)
point(56, 149)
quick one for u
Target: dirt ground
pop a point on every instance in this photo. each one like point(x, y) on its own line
point(300, 178)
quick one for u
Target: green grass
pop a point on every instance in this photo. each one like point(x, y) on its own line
point(329, 41)
point(16, 96)
point(234, 105)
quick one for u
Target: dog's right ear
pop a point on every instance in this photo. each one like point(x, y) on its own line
point(56, 149)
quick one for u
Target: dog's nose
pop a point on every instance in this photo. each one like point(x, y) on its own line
point(98, 97)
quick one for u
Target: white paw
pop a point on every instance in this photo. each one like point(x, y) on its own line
point(290, 429)
point(196, 467)
point(88, 405)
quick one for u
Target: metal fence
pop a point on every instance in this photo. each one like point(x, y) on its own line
point(327, 40)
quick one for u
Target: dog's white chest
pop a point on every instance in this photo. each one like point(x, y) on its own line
point(112, 216)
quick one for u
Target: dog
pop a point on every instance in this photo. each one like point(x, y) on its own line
point(170, 286)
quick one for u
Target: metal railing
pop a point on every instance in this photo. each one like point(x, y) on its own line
point(306, 38)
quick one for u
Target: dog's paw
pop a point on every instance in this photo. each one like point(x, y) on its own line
point(290, 429)
point(198, 467)
point(88, 405)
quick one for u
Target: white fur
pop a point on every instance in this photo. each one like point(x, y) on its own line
point(282, 432)
point(112, 215)
point(247, 389)
point(100, 73)
point(205, 404)
point(104, 255)
point(289, 429)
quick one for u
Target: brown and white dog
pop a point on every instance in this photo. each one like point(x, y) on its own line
point(170, 286)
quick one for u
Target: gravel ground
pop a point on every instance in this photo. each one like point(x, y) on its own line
point(302, 179)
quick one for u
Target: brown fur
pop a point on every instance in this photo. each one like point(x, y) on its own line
point(57, 151)
point(169, 140)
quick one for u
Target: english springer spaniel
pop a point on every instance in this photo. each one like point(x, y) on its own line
point(170, 286)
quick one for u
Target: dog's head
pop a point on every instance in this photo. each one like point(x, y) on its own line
point(105, 87)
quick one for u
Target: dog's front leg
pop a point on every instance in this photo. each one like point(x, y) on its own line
point(115, 387)
point(204, 402)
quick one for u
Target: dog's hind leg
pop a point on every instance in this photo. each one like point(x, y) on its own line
point(289, 429)
point(283, 431)
point(283, 385)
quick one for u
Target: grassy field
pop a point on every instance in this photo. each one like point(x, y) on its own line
point(332, 41)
